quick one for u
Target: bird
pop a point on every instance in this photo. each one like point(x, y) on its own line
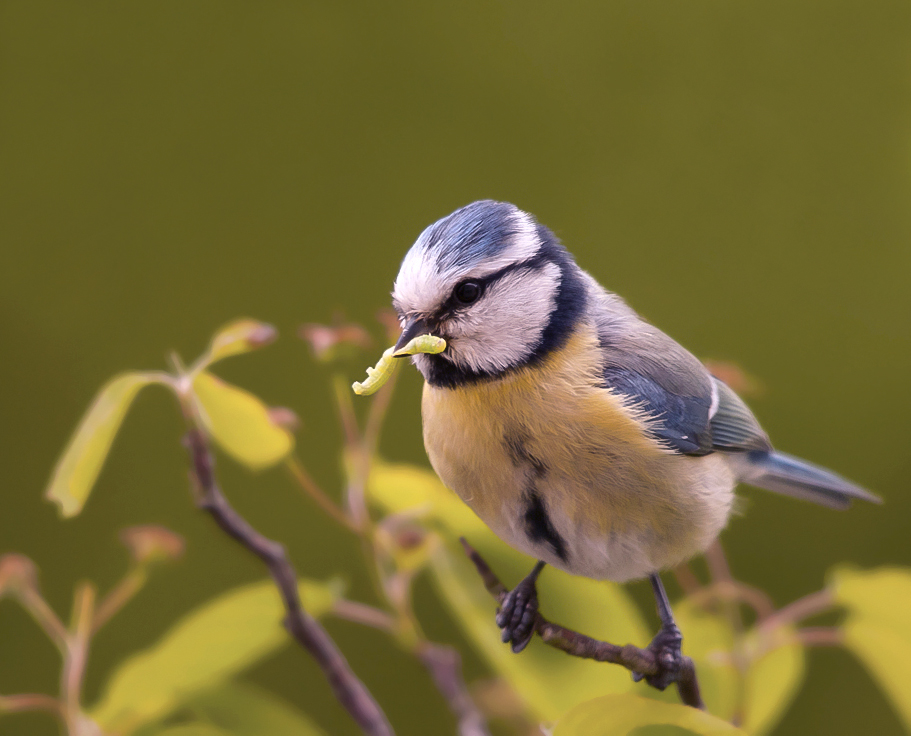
point(582, 435)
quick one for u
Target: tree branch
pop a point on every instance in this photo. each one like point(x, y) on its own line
point(445, 666)
point(350, 691)
point(580, 645)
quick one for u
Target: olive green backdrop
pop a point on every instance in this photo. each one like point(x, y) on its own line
point(739, 171)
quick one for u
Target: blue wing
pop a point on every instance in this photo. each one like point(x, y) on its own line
point(694, 423)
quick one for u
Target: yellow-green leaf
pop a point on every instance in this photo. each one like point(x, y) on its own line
point(772, 683)
point(206, 647)
point(886, 653)
point(247, 710)
point(709, 640)
point(618, 715)
point(882, 594)
point(876, 630)
point(82, 460)
point(240, 423)
point(240, 336)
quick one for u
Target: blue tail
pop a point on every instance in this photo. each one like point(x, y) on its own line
point(792, 476)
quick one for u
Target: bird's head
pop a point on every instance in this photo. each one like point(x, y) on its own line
point(496, 285)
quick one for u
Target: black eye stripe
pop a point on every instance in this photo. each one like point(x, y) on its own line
point(452, 305)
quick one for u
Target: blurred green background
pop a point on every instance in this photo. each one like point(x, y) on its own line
point(740, 172)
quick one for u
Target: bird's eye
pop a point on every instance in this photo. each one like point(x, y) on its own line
point(468, 292)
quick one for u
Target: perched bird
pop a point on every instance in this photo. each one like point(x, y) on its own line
point(580, 434)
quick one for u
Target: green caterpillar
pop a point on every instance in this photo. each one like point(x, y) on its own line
point(381, 373)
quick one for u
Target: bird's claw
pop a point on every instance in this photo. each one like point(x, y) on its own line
point(518, 613)
point(666, 648)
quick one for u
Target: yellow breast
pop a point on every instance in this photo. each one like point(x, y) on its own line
point(551, 430)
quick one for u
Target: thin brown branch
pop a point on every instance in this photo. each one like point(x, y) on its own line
point(445, 667)
point(821, 636)
point(580, 645)
point(350, 691)
point(30, 598)
point(732, 590)
point(361, 613)
point(810, 605)
point(22, 702)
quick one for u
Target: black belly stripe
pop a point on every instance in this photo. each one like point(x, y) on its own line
point(538, 525)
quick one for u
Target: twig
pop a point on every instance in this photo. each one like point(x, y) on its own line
point(737, 591)
point(309, 486)
point(445, 666)
point(119, 596)
point(31, 702)
point(821, 636)
point(580, 645)
point(810, 605)
point(76, 658)
point(349, 690)
point(361, 613)
point(33, 602)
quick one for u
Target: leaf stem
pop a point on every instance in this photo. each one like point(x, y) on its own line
point(810, 605)
point(24, 702)
point(42, 613)
point(119, 596)
point(74, 663)
point(308, 485)
point(361, 613)
point(821, 636)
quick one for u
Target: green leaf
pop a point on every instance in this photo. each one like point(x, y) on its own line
point(882, 595)
point(240, 336)
point(876, 630)
point(240, 423)
point(886, 653)
point(618, 715)
point(547, 680)
point(82, 460)
point(246, 710)
point(207, 646)
point(709, 640)
point(398, 488)
point(772, 683)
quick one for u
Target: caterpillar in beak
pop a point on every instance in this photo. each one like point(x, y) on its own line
point(382, 372)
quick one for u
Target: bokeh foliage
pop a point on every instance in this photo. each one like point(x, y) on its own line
point(737, 171)
point(186, 683)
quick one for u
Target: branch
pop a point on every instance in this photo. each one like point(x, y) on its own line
point(445, 666)
point(810, 605)
point(32, 702)
point(350, 691)
point(579, 645)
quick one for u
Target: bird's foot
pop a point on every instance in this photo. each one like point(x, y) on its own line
point(666, 648)
point(518, 613)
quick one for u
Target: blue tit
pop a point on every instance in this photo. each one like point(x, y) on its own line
point(579, 433)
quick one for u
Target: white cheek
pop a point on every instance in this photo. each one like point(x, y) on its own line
point(506, 325)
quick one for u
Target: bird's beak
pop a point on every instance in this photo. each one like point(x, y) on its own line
point(413, 328)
